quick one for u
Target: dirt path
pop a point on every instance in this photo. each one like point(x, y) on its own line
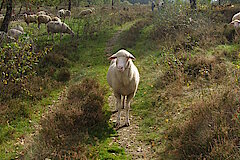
point(127, 136)
point(112, 42)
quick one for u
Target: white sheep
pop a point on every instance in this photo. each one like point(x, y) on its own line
point(58, 27)
point(15, 33)
point(41, 13)
point(63, 13)
point(5, 38)
point(30, 18)
point(20, 28)
point(43, 19)
point(123, 78)
point(85, 12)
point(236, 16)
point(56, 19)
point(236, 23)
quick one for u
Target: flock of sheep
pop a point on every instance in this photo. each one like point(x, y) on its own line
point(53, 23)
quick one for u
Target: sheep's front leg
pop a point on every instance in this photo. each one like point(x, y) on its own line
point(129, 98)
point(118, 106)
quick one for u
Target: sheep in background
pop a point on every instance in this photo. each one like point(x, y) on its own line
point(56, 19)
point(236, 24)
point(85, 12)
point(236, 16)
point(15, 33)
point(20, 28)
point(41, 13)
point(5, 38)
point(123, 78)
point(63, 13)
point(43, 19)
point(30, 18)
point(58, 27)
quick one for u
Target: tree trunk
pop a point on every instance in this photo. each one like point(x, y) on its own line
point(112, 4)
point(219, 2)
point(7, 17)
point(193, 4)
point(69, 5)
point(2, 5)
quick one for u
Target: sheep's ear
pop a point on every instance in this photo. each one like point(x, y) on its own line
point(132, 57)
point(112, 57)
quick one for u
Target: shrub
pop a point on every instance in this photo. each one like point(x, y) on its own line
point(65, 130)
point(17, 63)
point(13, 110)
point(211, 132)
point(63, 75)
point(177, 26)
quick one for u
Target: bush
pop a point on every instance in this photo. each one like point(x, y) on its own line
point(65, 130)
point(63, 75)
point(178, 27)
point(15, 109)
point(18, 62)
point(211, 132)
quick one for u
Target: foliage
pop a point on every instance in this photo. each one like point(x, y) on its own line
point(211, 132)
point(176, 26)
point(18, 62)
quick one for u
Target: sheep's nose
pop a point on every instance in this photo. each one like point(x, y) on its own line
point(120, 68)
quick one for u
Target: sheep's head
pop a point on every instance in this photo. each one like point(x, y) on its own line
point(25, 16)
point(123, 59)
point(236, 23)
point(68, 30)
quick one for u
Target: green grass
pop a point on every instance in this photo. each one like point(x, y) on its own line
point(11, 135)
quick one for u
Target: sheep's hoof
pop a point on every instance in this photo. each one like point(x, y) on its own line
point(127, 124)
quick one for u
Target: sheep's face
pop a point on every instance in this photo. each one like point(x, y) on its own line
point(122, 61)
point(236, 23)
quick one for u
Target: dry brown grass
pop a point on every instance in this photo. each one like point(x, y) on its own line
point(64, 131)
point(212, 131)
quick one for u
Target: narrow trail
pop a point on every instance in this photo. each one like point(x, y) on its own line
point(127, 136)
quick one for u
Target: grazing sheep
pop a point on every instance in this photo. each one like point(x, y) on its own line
point(63, 13)
point(43, 19)
point(58, 27)
point(56, 19)
point(236, 16)
point(236, 24)
point(123, 77)
point(85, 12)
point(15, 33)
point(41, 13)
point(30, 18)
point(5, 38)
point(20, 28)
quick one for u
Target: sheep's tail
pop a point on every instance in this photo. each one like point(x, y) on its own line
point(123, 103)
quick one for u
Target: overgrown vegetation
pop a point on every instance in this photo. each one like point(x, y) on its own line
point(72, 124)
point(188, 98)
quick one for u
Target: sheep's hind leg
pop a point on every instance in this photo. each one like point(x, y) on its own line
point(129, 97)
